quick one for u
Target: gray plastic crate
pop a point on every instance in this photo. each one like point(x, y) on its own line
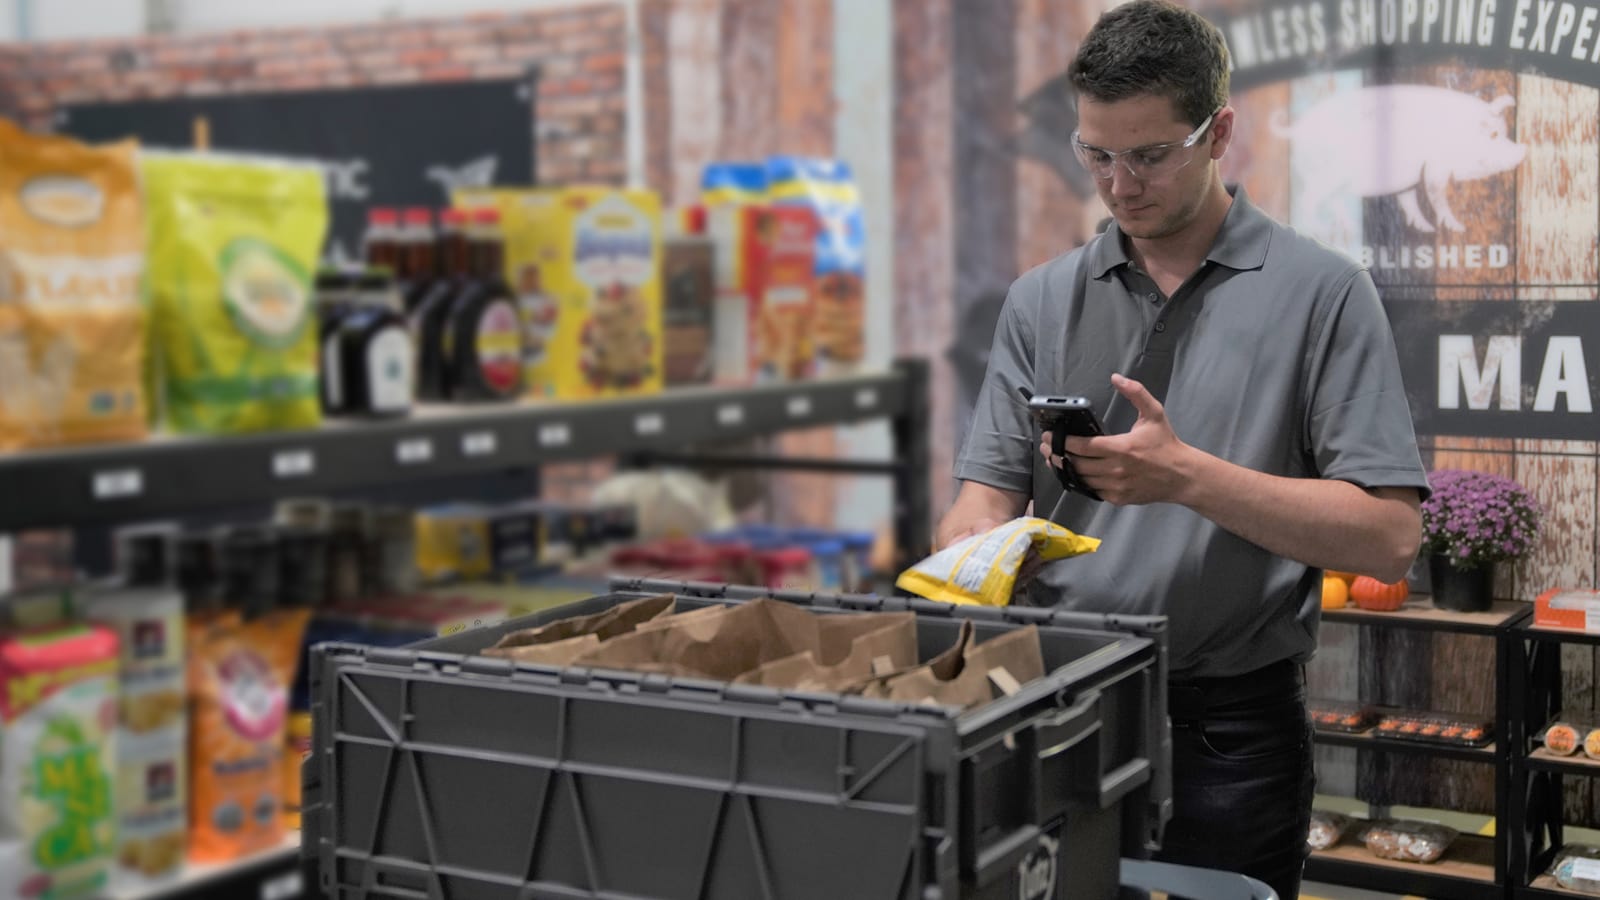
point(438, 773)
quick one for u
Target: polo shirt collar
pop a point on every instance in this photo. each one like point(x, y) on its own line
point(1240, 244)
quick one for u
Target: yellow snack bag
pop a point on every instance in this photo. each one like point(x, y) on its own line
point(234, 242)
point(71, 322)
point(982, 569)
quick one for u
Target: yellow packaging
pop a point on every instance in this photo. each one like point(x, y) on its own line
point(585, 263)
point(72, 326)
point(233, 245)
point(982, 569)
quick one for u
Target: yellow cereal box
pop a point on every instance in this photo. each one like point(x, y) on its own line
point(585, 264)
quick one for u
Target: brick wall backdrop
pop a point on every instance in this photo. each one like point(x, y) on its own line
point(581, 51)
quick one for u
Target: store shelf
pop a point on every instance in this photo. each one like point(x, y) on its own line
point(1466, 872)
point(1542, 760)
point(270, 875)
point(1545, 886)
point(1419, 612)
point(1484, 754)
point(163, 476)
point(1562, 635)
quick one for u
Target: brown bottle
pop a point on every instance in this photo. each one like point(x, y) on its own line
point(431, 315)
point(484, 337)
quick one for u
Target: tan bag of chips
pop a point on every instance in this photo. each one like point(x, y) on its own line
point(72, 326)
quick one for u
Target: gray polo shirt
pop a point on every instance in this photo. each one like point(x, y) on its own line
point(1281, 360)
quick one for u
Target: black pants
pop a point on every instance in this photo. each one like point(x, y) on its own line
point(1242, 775)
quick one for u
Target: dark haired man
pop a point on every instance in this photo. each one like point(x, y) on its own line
point(1258, 432)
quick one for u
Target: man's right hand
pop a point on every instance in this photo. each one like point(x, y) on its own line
point(978, 508)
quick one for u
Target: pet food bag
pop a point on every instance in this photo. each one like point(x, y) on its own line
point(58, 715)
point(72, 326)
point(234, 243)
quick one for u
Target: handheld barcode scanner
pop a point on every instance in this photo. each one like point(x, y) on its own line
point(1062, 416)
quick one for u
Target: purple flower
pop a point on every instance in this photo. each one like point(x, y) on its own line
point(1478, 518)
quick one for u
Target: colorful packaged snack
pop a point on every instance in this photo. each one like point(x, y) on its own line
point(234, 243)
point(72, 325)
point(58, 756)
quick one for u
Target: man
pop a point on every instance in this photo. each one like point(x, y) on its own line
point(1258, 432)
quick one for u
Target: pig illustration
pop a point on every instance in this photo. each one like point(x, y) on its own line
point(1393, 139)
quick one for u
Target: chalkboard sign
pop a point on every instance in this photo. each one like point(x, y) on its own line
point(378, 146)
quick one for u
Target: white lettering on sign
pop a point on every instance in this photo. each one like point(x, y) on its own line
point(118, 484)
point(478, 443)
point(293, 463)
point(1563, 377)
point(1564, 374)
point(414, 451)
point(1429, 256)
point(1458, 365)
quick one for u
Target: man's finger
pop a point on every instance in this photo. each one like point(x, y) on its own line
point(1148, 406)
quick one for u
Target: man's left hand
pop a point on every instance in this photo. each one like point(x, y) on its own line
point(1146, 465)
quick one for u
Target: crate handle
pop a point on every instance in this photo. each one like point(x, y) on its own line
point(1059, 730)
point(999, 858)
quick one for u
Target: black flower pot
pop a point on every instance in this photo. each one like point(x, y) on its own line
point(1462, 590)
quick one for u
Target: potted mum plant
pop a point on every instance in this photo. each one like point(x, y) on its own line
point(1472, 521)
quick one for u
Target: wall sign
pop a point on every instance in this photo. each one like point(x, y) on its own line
point(1525, 369)
point(378, 146)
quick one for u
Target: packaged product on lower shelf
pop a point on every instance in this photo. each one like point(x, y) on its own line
point(1562, 738)
point(152, 737)
point(58, 714)
point(1343, 717)
point(1408, 841)
point(240, 672)
point(1438, 728)
point(1327, 828)
point(1577, 868)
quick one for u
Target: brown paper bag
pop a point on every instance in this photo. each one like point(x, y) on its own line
point(959, 677)
point(559, 642)
point(850, 651)
point(726, 643)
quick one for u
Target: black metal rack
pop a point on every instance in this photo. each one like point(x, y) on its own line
point(1537, 826)
point(172, 477)
point(1471, 870)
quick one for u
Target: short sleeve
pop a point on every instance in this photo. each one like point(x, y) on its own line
point(1359, 427)
point(999, 447)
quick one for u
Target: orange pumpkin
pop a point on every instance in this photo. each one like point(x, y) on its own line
point(1335, 593)
point(1371, 594)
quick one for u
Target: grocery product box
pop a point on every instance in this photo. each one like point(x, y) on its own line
point(585, 263)
point(688, 294)
point(1576, 609)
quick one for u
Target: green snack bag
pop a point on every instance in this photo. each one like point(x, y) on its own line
point(233, 246)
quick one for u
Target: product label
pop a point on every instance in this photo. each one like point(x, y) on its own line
point(265, 292)
point(500, 347)
point(253, 699)
point(1586, 869)
point(616, 245)
point(389, 370)
point(63, 200)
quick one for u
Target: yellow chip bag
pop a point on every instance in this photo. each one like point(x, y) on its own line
point(982, 569)
point(71, 321)
point(234, 242)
